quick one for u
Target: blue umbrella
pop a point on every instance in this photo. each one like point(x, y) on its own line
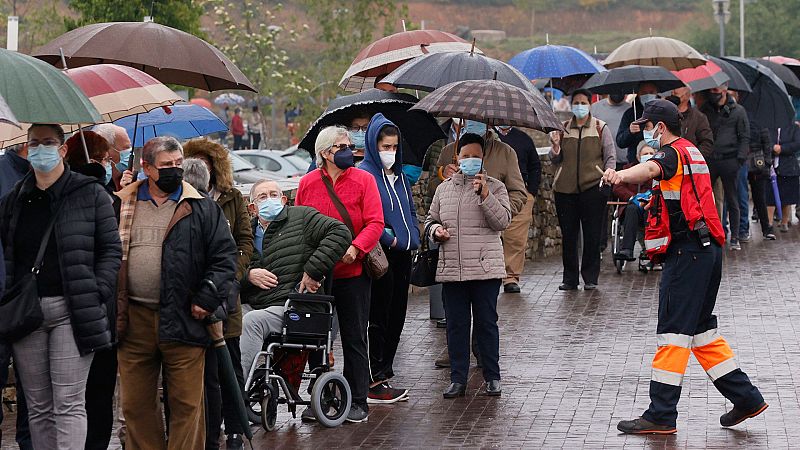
point(178, 121)
point(555, 61)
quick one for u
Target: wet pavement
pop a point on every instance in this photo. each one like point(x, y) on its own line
point(574, 364)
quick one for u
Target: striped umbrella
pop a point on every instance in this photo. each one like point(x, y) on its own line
point(668, 53)
point(386, 54)
point(702, 78)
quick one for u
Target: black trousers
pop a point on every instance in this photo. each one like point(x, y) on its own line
point(576, 213)
point(23, 434)
point(255, 139)
point(474, 301)
point(728, 170)
point(352, 306)
point(218, 398)
point(758, 186)
point(238, 142)
point(387, 313)
point(632, 222)
point(100, 387)
point(686, 324)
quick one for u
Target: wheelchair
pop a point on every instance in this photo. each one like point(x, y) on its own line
point(268, 384)
point(617, 233)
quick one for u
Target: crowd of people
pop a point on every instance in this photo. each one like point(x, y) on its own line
point(132, 267)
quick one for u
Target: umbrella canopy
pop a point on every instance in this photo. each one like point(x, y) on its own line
point(387, 54)
point(492, 102)
point(418, 128)
point(199, 101)
point(626, 80)
point(702, 78)
point(792, 63)
point(229, 98)
point(179, 121)
point(737, 81)
point(555, 61)
point(167, 54)
point(790, 80)
point(430, 72)
point(668, 53)
point(768, 102)
point(6, 116)
point(118, 91)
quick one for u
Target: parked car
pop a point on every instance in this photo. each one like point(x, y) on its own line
point(273, 162)
point(298, 152)
point(246, 173)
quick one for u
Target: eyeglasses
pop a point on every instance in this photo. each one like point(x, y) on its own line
point(46, 142)
point(265, 196)
point(104, 161)
point(361, 128)
point(336, 147)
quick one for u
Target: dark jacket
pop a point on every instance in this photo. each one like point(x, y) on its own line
point(626, 139)
point(528, 158)
point(695, 128)
point(790, 149)
point(300, 240)
point(88, 250)
point(399, 213)
point(198, 248)
point(731, 130)
point(12, 168)
point(760, 144)
point(2, 270)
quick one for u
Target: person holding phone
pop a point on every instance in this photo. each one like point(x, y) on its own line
point(468, 214)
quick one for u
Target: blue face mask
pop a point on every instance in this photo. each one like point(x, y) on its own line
point(580, 111)
point(358, 138)
point(650, 139)
point(475, 128)
point(269, 209)
point(412, 173)
point(645, 158)
point(470, 166)
point(108, 174)
point(647, 98)
point(140, 175)
point(44, 158)
point(124, 157)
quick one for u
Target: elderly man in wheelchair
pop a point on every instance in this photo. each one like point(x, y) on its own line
point(630, 212)
point(287, 314)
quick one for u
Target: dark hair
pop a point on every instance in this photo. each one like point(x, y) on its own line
point(387, 131)
point(673, 128)
point(96, 146)
point(360, 114)
point(57, 128)
point(470, 138)
point(582, 91)
point(255, 108)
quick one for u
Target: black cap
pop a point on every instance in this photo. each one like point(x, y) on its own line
point(660, 110)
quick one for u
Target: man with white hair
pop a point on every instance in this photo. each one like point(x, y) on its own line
point(120, 152)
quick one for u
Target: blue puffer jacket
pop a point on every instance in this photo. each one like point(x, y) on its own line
point(398, 203)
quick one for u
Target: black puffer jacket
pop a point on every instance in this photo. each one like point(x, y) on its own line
point(300, 240)
point(88, 249)
point(731, 129)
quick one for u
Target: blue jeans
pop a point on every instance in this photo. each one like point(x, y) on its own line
point(744, 204)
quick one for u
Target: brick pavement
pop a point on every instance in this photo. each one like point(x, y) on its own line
point(574, 364)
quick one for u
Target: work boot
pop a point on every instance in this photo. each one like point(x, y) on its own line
point(737, 416)
point(511, 288)
point(625, 255)
point(642, 426)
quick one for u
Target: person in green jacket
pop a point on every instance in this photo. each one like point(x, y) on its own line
point(296, 246)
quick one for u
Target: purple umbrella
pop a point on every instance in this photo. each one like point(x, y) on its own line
point(773, 177)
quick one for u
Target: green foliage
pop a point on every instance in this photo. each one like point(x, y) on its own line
point(181, 14)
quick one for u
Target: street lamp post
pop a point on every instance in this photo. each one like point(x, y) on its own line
point(721, 14)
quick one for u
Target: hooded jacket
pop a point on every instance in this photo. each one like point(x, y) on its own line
point(399, 213)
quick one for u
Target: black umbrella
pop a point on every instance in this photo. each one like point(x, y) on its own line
point(419, 128)
point(227, 375)
point(434, 70)
point(737, 81)
point(625, 80)
point(790, 80)
point(769, 101)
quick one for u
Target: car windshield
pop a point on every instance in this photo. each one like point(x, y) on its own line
point(240, 164)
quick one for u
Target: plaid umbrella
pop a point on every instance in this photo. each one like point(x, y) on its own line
point(668, 53)
point(492, 102)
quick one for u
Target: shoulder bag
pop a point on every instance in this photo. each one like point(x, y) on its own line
point(423, 266)
point(376, 264)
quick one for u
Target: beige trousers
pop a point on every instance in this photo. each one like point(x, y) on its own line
point(515, 242)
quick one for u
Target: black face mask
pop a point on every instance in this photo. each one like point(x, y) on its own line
point(674, 99)
point(616, 98)
point(714, 98)
point(169, 179)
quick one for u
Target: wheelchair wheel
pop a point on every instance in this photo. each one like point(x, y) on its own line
point(269, 408)
point(331, 399)
point(254, 410)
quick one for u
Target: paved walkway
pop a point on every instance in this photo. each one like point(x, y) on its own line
point(574, 364)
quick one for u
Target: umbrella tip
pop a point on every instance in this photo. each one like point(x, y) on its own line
point(472, 50)
point(547, 38)
point(651, 32)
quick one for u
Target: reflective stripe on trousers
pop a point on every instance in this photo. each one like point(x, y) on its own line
point(672, 356)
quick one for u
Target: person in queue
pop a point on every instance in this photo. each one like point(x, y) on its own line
point(178, 264)
point(610, 110)
point(758, 172)
point(100, 164)
point(629, 134)
point(120, 153)
point(787, 169)
point(637, 196)
point(220, 188)
point(383, 159)
point(358, 192)
point(469, 211)
point(580, 154)
point(74, 285)
point(688, 237)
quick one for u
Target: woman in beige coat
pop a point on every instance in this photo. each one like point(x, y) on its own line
point(468, 212)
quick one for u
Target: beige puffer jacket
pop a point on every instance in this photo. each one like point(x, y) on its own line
point(474, 250)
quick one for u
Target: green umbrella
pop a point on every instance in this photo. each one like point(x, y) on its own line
point(37, 92)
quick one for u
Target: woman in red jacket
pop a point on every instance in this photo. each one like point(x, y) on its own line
point(356, 189)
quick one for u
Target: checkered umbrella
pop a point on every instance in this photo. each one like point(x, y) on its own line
point(492, 102)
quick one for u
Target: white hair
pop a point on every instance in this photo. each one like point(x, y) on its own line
point(108, 131)
point(195, 172)
point(325, 140)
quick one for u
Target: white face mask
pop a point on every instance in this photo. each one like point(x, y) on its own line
point(645, 158)
point(388, 159)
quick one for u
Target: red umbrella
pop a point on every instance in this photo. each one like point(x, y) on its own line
point(386, 54)
point(701, 78)
point(201, 102)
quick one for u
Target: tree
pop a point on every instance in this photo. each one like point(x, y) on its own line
point(181, 14)
point(39, 22)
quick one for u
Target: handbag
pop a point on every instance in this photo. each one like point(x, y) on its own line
point(20, 306)
point(758, 164)
point(423, 266)
point(376, 264)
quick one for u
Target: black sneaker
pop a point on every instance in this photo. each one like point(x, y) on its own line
point(357, 414)
point(511, 288)
point(642, 426)
point(744, 237)
point(624, 255)
point(737, 416)
point(567, 287)
point(234, 442)
point(386, 394)
point(769, 236)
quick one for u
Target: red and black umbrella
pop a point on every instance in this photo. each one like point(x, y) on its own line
point(702, 78)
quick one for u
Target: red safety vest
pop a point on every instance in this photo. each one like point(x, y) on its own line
point(691, 184)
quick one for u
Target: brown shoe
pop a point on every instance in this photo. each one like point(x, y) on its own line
point(642, 426)
point(443, 362)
